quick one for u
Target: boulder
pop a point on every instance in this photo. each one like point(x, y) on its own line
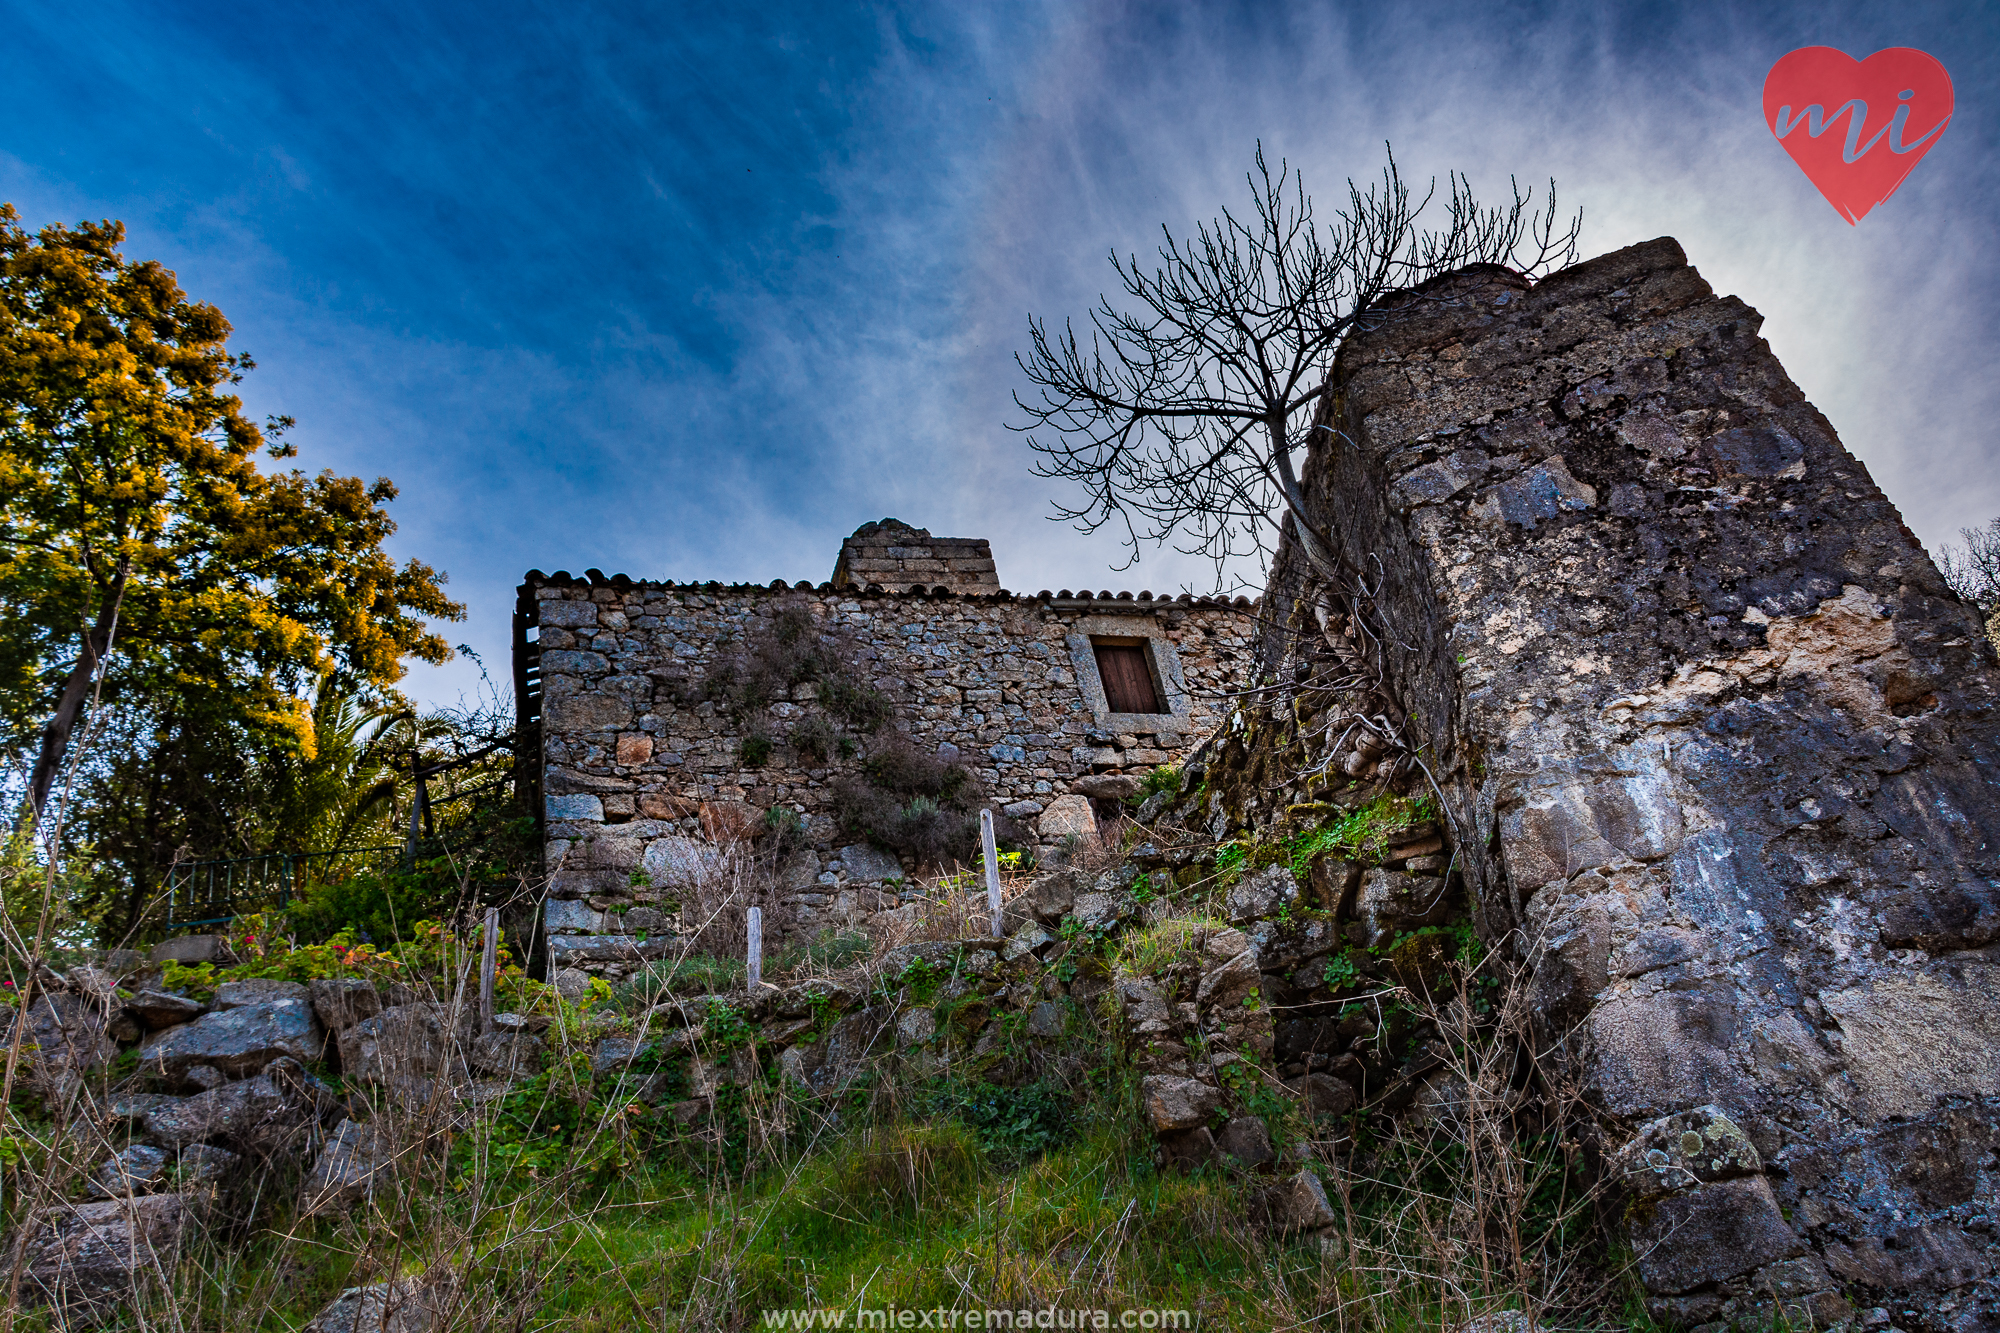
point(1230, 983)
point(615, 1055)
point(265, 1114)
point(1029, 939)
point(1246, 1141)
point(204, 1078)
point(567, 950)
point(1327, 1095)
point(1067, 817)
point(1052, 896)
point(133, 1106)
point(402, 1049)
point(1294, 1205)
point(725, 822)
point(406, 1305)
point(1222, 945)
point(1095, 910)
point(65, 1031)
point(1689, 1240)
point(341, 1002)
point(651, 920)
point(571, 916)
point(1174, 1103)
point(837, 1060)
point(92, 1255)
point(1390, 902)
point(163, 1009)
point(95, 982)
point(680, 863)
point(143, 1169)
point(1261, 894)
point(1108, 786)
point(258, 990)
point(345, 1170)
point(916, 1027)
point(508, 1054)
point(571, 983)
point(1684, 1150)
point(238, 1041)
point(863, 864)
point(66, 1038)
point(1045, 1020)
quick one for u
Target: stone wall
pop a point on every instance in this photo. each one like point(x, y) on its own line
point(1719, 741)
point(642, 775)
point(892, 554)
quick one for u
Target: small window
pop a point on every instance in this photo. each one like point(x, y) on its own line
point(1128, 681)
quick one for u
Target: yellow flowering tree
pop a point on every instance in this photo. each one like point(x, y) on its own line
point(137, 529)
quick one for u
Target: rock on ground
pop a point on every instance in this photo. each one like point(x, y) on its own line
point(1174, 1103)
point(341, 1002)
point(265, 1113)
point(403, 1306)
point(346, 1170)
point(239, 1041)
point(1295, 1205)
point(1261, 894)
point(403, 1048)
point(144, 1169)
point(68, 1036)
point(163, 1009)
point(92, 1255)
point(258, 990)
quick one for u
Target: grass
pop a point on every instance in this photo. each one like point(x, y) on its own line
point(1023, 1182)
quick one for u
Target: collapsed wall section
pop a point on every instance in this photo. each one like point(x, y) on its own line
point(1717, 739)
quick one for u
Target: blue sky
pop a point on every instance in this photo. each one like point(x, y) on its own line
point(693, 291)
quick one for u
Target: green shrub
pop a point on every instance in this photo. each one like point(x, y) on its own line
point(1013, 1125)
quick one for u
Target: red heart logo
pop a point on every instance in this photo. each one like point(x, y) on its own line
point(1857, 127)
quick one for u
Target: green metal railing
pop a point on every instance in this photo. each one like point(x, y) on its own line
point(211, 893)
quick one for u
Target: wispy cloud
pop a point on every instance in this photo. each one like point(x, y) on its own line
point(692, 294)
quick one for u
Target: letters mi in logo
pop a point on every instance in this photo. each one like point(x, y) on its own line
point(1857, 127)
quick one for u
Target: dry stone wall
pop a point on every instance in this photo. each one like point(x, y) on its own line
point(644, 781)
point(1720, 742)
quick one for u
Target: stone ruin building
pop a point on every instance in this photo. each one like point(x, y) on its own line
point(1712, 734)
point(1713, 747)
point(1052, 701)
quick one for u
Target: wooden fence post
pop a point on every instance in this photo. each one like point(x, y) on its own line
point(992, 868)
point(489, 963)
point(754, 933)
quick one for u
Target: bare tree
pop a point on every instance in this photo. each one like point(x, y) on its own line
point(1180, 414)
point(1974, 573)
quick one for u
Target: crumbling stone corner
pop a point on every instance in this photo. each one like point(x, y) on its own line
point(1720, 747)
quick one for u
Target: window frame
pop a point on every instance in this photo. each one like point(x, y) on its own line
point(1162, 659)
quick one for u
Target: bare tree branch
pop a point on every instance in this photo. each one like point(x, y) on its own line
point(1178, 414)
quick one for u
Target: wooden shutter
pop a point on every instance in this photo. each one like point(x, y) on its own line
point(1128, 684)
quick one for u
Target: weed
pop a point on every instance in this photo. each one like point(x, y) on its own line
point(1158, 948)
